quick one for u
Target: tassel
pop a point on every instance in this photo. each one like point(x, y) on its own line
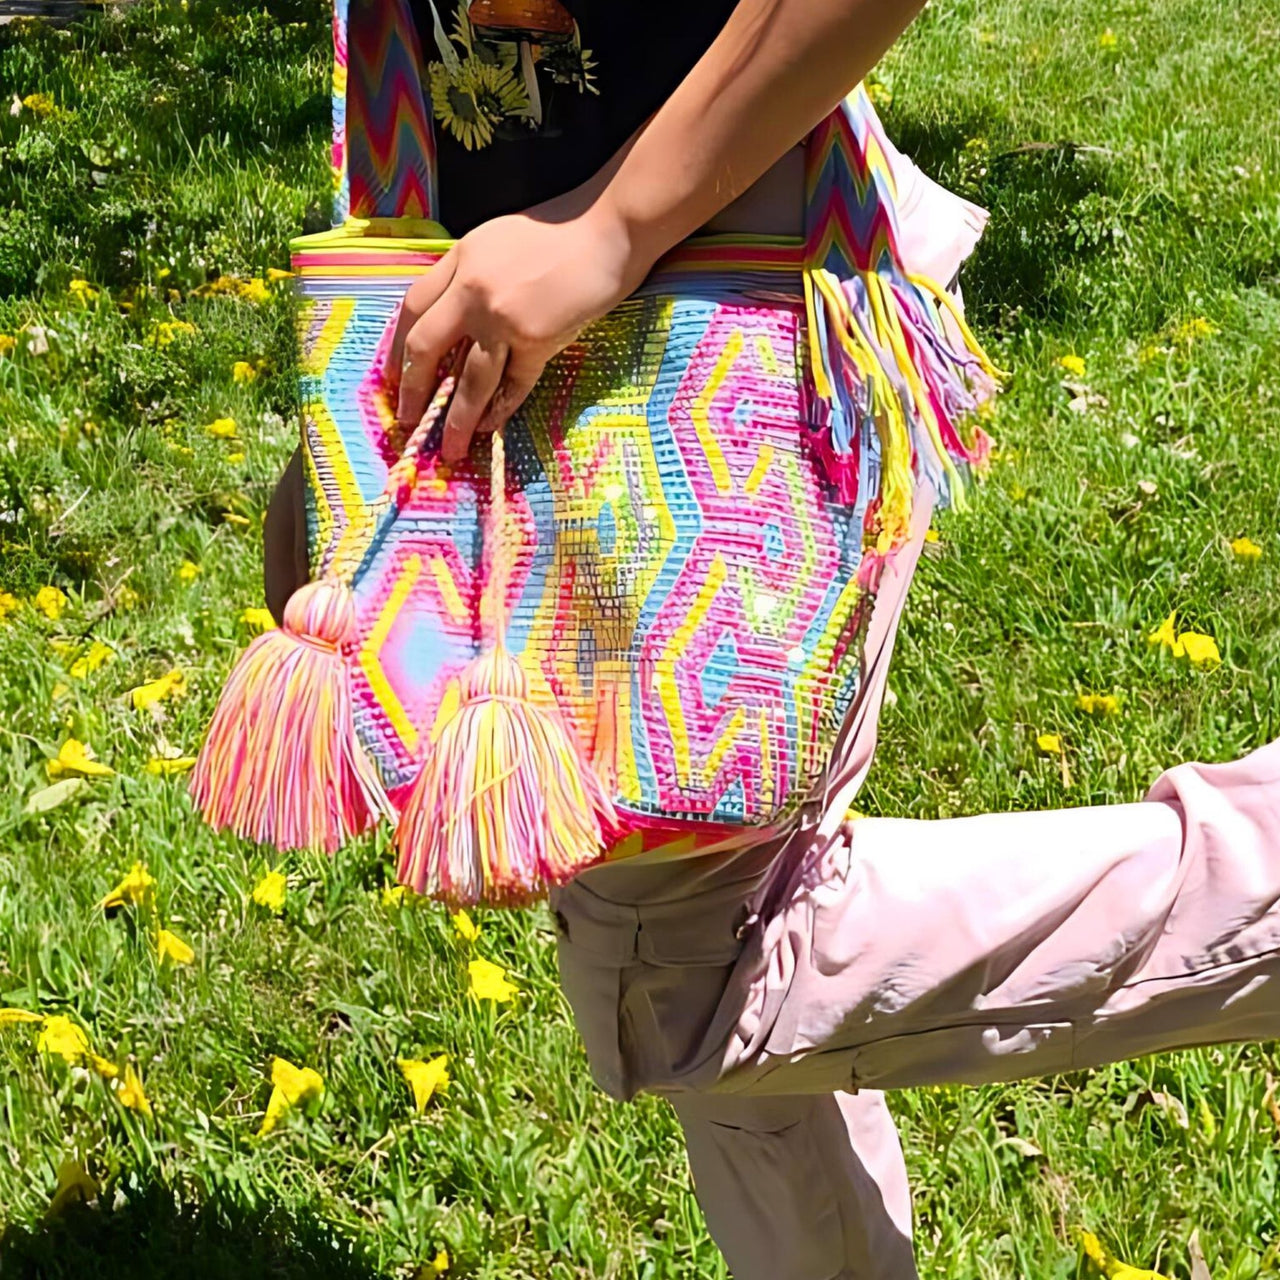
point(505, 805)
point(282, 762)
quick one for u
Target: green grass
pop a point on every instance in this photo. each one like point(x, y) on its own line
point(1133, 189)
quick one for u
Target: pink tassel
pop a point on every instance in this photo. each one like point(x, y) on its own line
point(505, 805)
point(281, 763)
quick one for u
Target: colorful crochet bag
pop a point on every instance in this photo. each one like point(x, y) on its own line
point(636, 617)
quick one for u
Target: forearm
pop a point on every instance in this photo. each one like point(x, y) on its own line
point(777, 68)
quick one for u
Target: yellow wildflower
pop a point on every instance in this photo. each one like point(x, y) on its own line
point(166, 765)
point(290, 1087)
point(1166, 633)
point(77, 758)
point(424, 1078)
point(931, 535)
point(131, 1094)
point(879, 94)
point(75, 1186)
point(188, 571)
point(1190, 330)
point(243, 371)
point(1074, 365)
point(172, 685)
point(9, 603)
point(13, 1017)
point(40, 104)
point(254, 291)
point(127, 598)
point(1110, 1265)
point(7, 343)
point(440, 1263)
point(82, 291)
point(489, 982)
point(61, 1038)
point(59, 691)
point(97, 655)
point(235, 458)
point(278, 273)
point(1107, 40)
point(1049, 743)
point(103, 1066)
point(270, 891)
point(1200, 650)
point(50, 601)
point(222, 428)
point(136, 889)
point(393, 895)
point(465, 927)
point(257, 619)
point(234, 517)
point(1245, 549)
point(1097, 704)
point(170, 947)
point(167, 331)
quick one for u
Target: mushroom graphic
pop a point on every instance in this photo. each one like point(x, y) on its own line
point(526, 23)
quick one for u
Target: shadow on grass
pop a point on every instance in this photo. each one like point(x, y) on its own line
point(157, 1236)
point(1049, 214)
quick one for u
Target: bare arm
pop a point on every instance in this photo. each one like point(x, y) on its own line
point(522, 287)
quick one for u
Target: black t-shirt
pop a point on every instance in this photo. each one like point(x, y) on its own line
point(641, 50)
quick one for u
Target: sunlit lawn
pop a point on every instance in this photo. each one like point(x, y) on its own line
point(1130, 158)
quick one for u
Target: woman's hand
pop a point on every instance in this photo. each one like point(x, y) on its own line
point(516, 290)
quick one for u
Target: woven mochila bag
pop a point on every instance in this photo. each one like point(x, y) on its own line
point(635, 616)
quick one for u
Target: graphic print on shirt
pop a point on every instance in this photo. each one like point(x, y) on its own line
point(501, 66)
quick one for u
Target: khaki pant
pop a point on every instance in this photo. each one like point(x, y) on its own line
point(770, 992)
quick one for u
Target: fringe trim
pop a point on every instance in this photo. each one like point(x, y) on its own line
point(890, 351)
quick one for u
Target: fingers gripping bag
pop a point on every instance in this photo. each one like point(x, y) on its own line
point(633, 616)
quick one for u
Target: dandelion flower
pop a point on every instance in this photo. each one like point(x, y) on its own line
point(1200, 650)
point(236, 458)
point(243, 371)
point(82, 291)
point(171, 685)
point(74, 1186)
point(188, 571)
point(62, 1038)
point(51, 602)
point(130, 1093)
point(290, 1087)
point(170, 947)
point(1074, 365)
point(222, 428)
point(257, 619)
point(97, 655)
point(424, 1078)
point(254, 291)
point(393, 895)
point(1049, 743)
point(1107, 40)
point(489, 982)
point(440, 1263)
point(40, 104)
point(270, 891)
point(9, 603)
point(1245, 549)
point(1097, 704)
point(7, 343)
point(10, 1017)
point(136, 889)
point(1108, 1264)
point(165, 766)
point(1165, 634)
point(465, 927)
point(76, 757)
